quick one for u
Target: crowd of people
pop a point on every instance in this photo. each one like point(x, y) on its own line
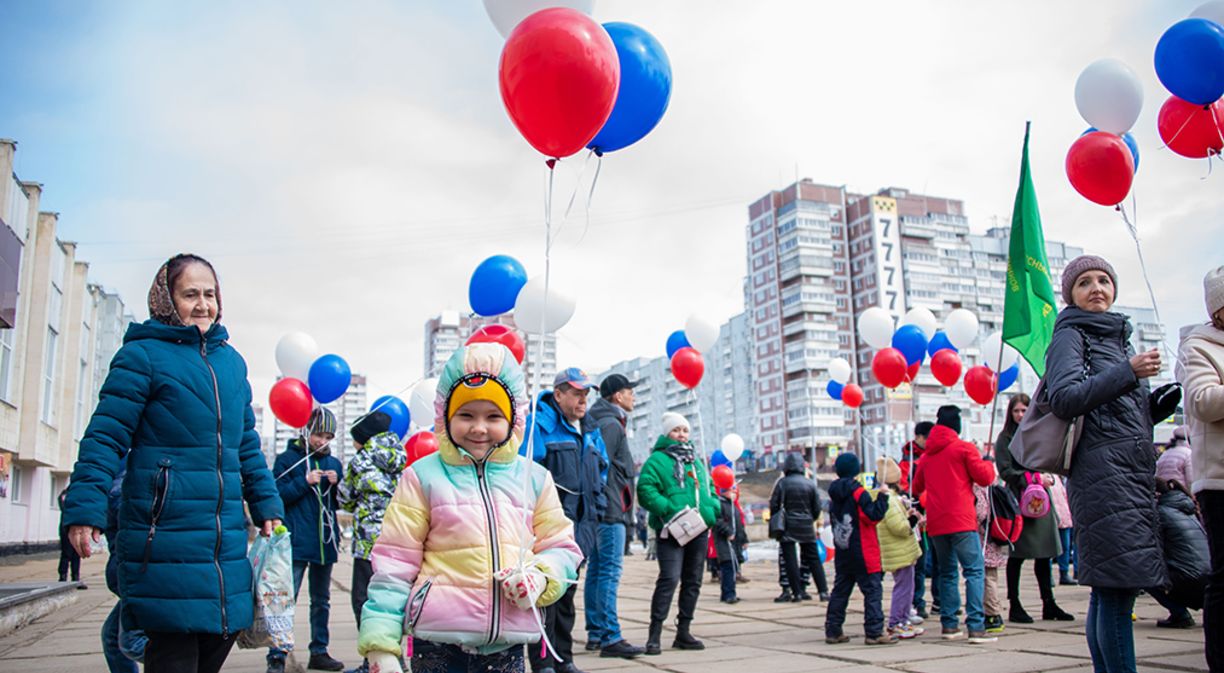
point(471, 557)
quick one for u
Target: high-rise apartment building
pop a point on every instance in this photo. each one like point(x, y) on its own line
point(348, 408)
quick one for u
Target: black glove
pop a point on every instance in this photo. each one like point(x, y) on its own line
point(1164, 400)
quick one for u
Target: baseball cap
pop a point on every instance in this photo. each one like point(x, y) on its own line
point(614, 383)
point(574, 377)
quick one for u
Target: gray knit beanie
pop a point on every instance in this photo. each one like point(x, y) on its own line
point(1213, 290)
point(1078, 266)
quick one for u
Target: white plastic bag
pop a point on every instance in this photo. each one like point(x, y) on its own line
point(272, 564)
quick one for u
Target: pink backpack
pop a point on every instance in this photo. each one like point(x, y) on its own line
point(1035, 500)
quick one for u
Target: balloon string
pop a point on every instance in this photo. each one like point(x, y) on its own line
point(1134, 232)
point(1181, 128)
point(591, 195)
point(573, 197)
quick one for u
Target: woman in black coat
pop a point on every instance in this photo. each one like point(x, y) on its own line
point(1092, 372)
point(797, 497)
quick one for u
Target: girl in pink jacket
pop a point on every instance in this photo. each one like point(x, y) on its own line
point(474, 541)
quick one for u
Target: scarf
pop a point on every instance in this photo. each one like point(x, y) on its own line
point(685, 458)
point(161, 298)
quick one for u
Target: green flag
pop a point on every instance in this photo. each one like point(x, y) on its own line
point(1029, 308)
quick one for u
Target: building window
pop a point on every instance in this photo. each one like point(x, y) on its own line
point(6, 362)
point(48, 401)
point(82, 378)
point(18, 496)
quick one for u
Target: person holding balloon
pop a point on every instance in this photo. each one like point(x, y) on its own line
point(729, 533)
point(1093, 374)
point(307, 481)
point(366, 491)
point(899, 550)
point(176, 409)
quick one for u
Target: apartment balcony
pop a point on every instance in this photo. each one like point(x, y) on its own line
point(917, 228)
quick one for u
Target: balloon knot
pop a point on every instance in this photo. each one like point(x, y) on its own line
point(598, 153)
point(551, 163)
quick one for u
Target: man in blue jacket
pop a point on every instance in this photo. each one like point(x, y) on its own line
point(578, 463)
point(307, 484)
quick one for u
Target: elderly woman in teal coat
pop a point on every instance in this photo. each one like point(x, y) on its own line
point(176, 407)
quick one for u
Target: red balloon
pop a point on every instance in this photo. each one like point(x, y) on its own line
point(501, 334)
point(1194, 131)
point(290, 402)
point(946, 366)
point(1101, 168)
point(723, 477)
point(687, 367)
point(852, 395)
point(911, 374)
point(889, 367)
point(980, 383)
point(559, 74)
point(420, 445)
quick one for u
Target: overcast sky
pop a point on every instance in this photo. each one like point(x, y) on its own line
point(347, 165)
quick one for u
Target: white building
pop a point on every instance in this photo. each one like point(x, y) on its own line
point(447, 331)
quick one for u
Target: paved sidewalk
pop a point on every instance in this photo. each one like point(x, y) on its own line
point(755, 634)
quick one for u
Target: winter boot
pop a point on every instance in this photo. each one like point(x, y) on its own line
point(652, 639)
point(684, 639)
point(1051, 612)
point(1017, 615)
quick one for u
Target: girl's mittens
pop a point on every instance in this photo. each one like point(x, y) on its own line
point(523, 588)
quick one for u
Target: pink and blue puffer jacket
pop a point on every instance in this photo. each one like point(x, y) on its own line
point(455, 521)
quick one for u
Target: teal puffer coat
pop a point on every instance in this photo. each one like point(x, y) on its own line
point(176, 406)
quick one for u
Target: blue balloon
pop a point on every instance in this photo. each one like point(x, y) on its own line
point(1126, 138)
point(940, 342)
point(645, 88)
point(911, 341)
point(1008, 376)
point(397, 410)
point(675, 341)
point(719, 458)
point(329, 377)
point(834, 389)
point(495, 285)
point(1190, 60)
point(822, 550)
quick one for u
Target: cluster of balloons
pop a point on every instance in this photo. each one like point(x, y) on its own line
point(568, 82)
point(684, 348)
point(901, 351)
point(1190, 64)
point(729, 451)
point(500, 285)
point(1101, 164)
point(839, 386)
point(307, 377)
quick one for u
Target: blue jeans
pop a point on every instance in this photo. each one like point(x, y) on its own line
point(116, 660)
point(964, 549)
point(602, 583)
point(1111, 635)
point(320, 605)
point(1067, 559)
point(726, 575)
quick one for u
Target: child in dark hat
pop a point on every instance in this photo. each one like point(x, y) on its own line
point(854, 514)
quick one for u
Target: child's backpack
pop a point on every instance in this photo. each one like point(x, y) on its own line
point(1005, 522)
point(1035, 500)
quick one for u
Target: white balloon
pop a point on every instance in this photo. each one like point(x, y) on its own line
point(1212, 11)
point(295, 352)
point(506, 14)
point(702, 334)
point(839, 370)
point(1109, 96)
point(421, 403)
point(990, 353)
point(924, 319)
point(961, 326)
point(534, 315)
point(875, 326)
point(732, 447)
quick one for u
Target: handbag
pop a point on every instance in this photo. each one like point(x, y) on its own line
point(777, 522)
point(1044, 442)
point(687, 524)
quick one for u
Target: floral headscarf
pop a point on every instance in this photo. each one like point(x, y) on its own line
point(161, 299)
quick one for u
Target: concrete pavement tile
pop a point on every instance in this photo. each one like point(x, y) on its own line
point(774, 663)
point(1013, 662)
point(1196, 661)
point(710, 654)
point(904, 652)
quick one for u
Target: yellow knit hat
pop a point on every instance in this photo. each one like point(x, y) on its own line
point(479, 387)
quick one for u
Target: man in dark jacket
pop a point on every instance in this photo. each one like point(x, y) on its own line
point(577, 461)
point(307, 485)
point(795, 497)
point(607, 416)
point(946, 474)
point(854, 514)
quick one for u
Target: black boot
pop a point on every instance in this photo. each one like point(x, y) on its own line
point(1017, 615)
point(684, 639)
point(652, 639)
point(785, 597)
point(1065, 579)
point(1051, 612)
